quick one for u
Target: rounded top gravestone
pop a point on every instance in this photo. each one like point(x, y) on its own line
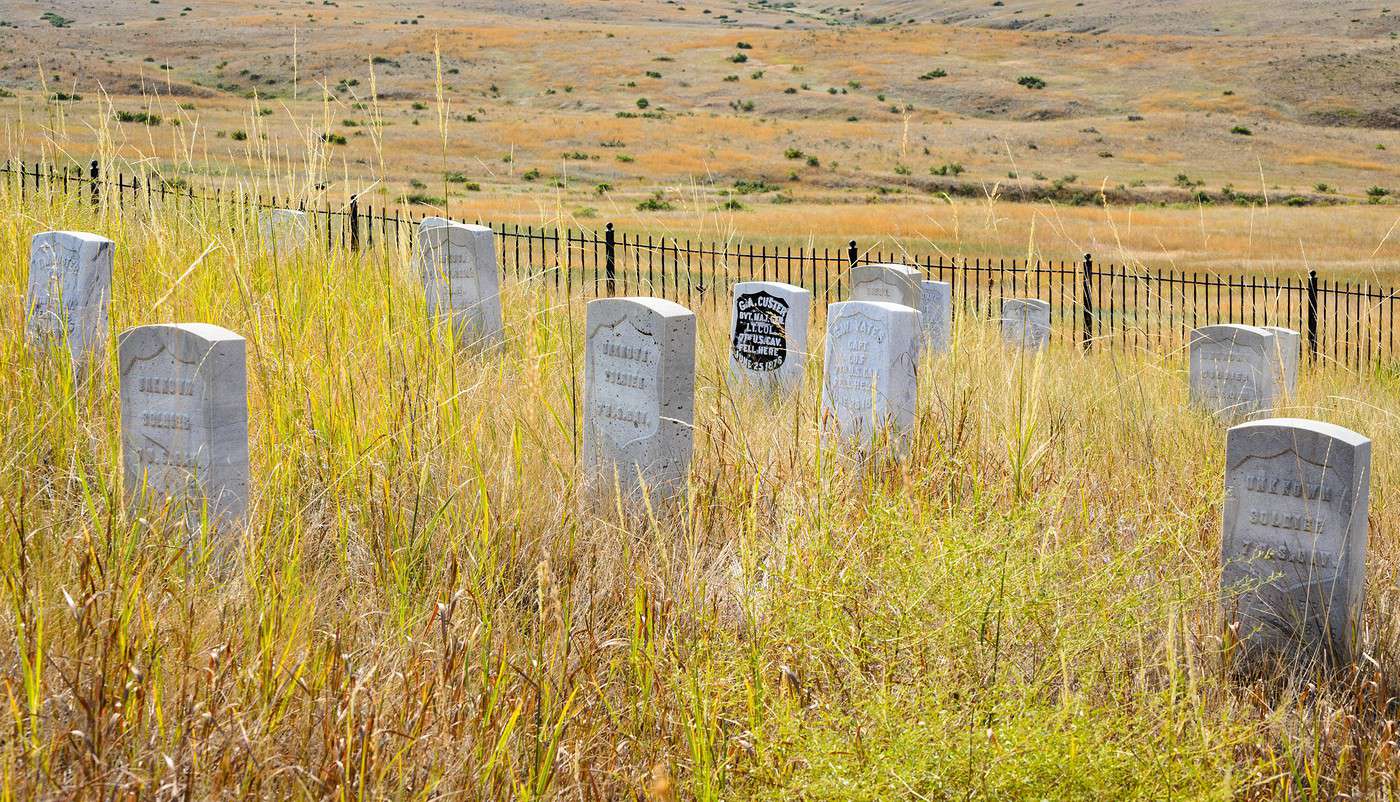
point(284, 230)
point(768, 325)
point(886, 282)
point(1025, 322)
point(936, 308)
point(457, 264)
point(1293, 547)
point(70, 288)
point(184, 403)
point(1234, 369)
point(639, 396)
point(871, 373)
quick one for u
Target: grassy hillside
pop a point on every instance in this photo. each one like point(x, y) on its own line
point(423, 608)
point(729, 121)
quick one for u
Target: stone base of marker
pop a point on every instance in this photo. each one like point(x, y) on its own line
point(768, 335)
point(1234, 369)
point(870, 375)
point(457, 265)
point(184, 412)
point(1293, 548)
point(1025, 323)
point(70, 289)
point(639, 399)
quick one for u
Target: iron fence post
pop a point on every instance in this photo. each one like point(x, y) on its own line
point(852, 253)
point(95, 173)
point(1087, 302)
point(1312, 315)
point(354, 222)
point(610, 259)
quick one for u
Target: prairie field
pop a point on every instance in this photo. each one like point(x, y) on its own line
point(427, 604)
point(1222, 136)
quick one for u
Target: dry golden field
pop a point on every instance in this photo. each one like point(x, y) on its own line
point(1174, 137)
point(425, 606)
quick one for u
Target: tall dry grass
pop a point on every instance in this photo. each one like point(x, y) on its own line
point(422, 608)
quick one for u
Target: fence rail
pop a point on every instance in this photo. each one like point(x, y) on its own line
point(1092, 305)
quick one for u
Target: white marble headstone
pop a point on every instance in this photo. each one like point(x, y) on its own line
point(1025, 322)
point(870, 372)
point(1288, 347)
point(1297, 495)
point(936, 307)
point(768, 334)
point(70, 288)
point(284, 230)
point(184, 408)
point(457, 264)
point(639, 396)
point(1234, 369)
point(884, 282)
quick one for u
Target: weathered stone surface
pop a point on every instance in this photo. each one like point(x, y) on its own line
point(936, 308)
point(284, 230)
point(461, 280)
point(893, 283)
point(1288, 347)
point(870, 373)
point(768, 340)
point(1234, 369)
point(639, 396)
point(70, 289)
point(1025, 322)
point(184, 405)
point(1293, 551)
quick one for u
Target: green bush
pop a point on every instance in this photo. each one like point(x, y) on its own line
point(142, 117)
point(656, 203)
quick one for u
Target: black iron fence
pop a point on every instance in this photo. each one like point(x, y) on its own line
point(1092, 305)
